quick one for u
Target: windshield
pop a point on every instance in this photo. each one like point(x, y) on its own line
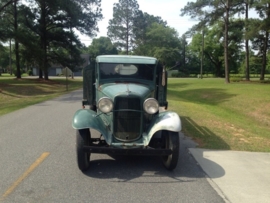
point(126, 71)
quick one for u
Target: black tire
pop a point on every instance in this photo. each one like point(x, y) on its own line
point(83, 137)
point(171, 141)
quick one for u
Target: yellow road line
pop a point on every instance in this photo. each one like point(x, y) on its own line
point(24, 175)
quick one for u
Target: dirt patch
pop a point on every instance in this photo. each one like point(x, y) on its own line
point(261, 114)
point(4, 85)
point(205, 96)
point(244, 140)
point(47, 81)
point(37, 80)
point(199, 142)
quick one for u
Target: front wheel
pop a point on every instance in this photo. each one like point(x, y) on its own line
point(171, 141)
point(83, 137)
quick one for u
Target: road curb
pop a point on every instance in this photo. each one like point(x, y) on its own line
point(211, 182)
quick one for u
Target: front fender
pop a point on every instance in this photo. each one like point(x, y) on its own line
point(167, 120)
point(85, 118)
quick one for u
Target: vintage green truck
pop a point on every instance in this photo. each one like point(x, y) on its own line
point(126, 96)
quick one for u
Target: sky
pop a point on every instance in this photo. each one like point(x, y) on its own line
point(168, 10)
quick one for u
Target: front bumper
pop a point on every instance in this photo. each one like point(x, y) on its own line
point(135, 151)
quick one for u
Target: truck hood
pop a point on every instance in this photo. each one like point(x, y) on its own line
point(113, 89)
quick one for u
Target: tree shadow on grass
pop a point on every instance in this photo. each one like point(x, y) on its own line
point(10, 95)
point(26, 90)
point(211, 96)
point(205, 139)
point(177, 85)
point(29, 87)
point(202, 135)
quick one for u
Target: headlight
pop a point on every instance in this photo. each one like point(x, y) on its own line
point(105, 105)
point(150, 106)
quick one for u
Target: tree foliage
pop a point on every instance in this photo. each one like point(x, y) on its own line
point(136, 32)
point(235, 30)
point(51, 26)
point(163, 43)
point(247, 5)
point(211, 11)
point(4, 59)
point(120, 29)
point(142, 23)
point(6, 3)
point(263, 9)
point(10, 28)
point(101, 46)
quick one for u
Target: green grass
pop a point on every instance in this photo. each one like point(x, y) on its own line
point(7, 75)
point(232, 116)
point(19, 93)
point(216, 115)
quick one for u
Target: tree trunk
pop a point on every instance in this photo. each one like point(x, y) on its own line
point(40, 73)
point(247, 45)
point(43, 41)
point(218, 69)
point(201, 71)
point(217, 64)
point(184, 54)
point(127, 43)
point(127, 30)
point(46, 74)
point(18, 72)
point(264, 59)
point(265, 46)
point(10, 60)
point(226, 60)
point(127, 39)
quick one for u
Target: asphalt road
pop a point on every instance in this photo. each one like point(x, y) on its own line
point(38, 164)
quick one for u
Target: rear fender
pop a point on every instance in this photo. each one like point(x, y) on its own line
point(85, 118)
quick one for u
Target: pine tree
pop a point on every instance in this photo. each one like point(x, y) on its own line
point(120, 29)
point(211, 11)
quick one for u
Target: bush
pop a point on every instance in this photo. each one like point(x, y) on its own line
point(30, 72)
point(265, 81)
point(15, 72)
point(179, 75)
point(236, 79)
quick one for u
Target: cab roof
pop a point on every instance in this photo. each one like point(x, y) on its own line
point(126, 59)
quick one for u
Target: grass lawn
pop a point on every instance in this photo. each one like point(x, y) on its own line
point(19, 93)
point(216, 115)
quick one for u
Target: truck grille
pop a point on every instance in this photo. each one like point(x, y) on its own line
point(127, 122)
